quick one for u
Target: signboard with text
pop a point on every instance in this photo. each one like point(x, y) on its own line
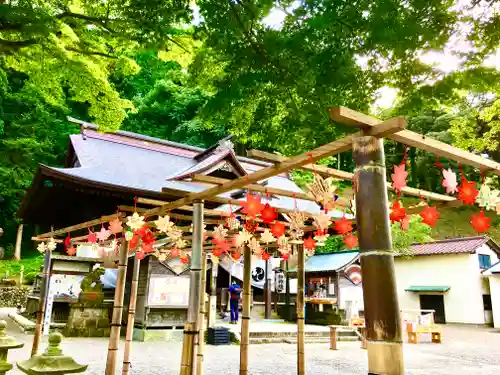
point(169, 291)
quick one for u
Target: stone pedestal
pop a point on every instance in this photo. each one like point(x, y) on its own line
point(88, 319)
point(6, 343)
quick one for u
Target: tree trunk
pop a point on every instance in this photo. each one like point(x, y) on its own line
point(245, 317)
point(202, 316)
point(43, 301)
point(301, 362)
point(116, 320)
point(191, 330)
point(19, 240)
point(131, 316)
point(384, 344)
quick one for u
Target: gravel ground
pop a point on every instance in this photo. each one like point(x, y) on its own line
point(465, 351)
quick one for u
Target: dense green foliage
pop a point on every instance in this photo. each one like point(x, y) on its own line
point(140, 65)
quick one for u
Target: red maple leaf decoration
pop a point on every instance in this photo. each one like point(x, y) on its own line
point(405, 223)
point(398, 212)
point(252, 206)
point(148, 237)
point(67, 241)
point(342, 226)
point(467, 192)
point(278, 229)
point(92, 238)
point(222, 245)
point(217, 252)
point(251, 226)
point(399, 177)
point(140, 254)
point(350, 240)
point(430, 215)
point(285, 256)
point(71, 250)
point(309, 243)
point(185, 260)
point(235, 255)
point(147, 247)
point(174, 252)
point(480, 222)
point(265, 255)
point(268, 214)
point(134, 241)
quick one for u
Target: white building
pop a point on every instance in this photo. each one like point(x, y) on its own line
point(453, 277)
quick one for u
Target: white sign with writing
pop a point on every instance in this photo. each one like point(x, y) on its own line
point(48, 307)
point(169, 291)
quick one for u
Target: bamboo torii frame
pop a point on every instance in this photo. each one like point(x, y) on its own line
point(370, 127)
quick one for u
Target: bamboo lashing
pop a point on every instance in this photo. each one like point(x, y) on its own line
point(116, 320)
point(131, 316)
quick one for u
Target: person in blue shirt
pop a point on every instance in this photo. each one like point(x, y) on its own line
point(235, 292)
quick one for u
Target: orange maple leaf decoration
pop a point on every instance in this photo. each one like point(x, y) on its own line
point(398, 212)
point(399, 177)
point(268, 214)
point(430, 215)
point(285, 256)
point(235, 255)
point(342, 226)
point(265, 255)
point(278, 229)
point(350, 240)
point(309, 243)
point(252, 206)
point(405, 223)
point(480, 222)
point(467, 192)
point(184, 260)
point(71, 251)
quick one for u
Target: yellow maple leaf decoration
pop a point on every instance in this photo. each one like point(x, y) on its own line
point(220, 232)
point(135, 221)
point(163, 224)
point(323, 191)
point(267, 236)
point(321, 221)
point(297, 220)
point(42, 247)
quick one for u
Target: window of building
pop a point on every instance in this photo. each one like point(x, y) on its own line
point(487, 302)
point(484, 261)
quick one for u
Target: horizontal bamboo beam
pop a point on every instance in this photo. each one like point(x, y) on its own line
point(332, 148)
point(273, 158)
point(356, 119)
point(72, 228)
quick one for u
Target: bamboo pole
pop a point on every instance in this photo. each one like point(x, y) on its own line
point(267, 292)
point(116, 322)
point(245, 317)
point(301, 363)
point(384, 341)
point(201, 317)
point(131, 316)
point(190, 328)
point(19, 240)
point(42, 303)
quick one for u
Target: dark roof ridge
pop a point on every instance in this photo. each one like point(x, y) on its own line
point(88, 125)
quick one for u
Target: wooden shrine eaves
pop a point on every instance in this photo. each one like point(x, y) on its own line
point(385, 128)
point(343, 175)
point(350, 117)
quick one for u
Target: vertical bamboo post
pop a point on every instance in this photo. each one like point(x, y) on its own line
point(43, 301)
point(383, 325)
point(201, 317)
point(190, 329)
point(212, 312)
point(131, 316)
point(116, 320)
point(19, 240)
point(245, 317)
point(301, 363)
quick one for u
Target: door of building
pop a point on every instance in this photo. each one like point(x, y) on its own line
point(436, 303)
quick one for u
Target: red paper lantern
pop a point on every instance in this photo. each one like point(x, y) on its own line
point(268, 214)
point(430, 215)
point(467, 192)
point(265, 255)
point(397, 212)
point(174, 252)
point(350, 240)
point(278, 229)
point(309, 243)
point(342, 226)
point(480, 222)
point(252, 206)
point(184, 259)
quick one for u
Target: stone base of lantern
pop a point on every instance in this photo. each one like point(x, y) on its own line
point(88, 319)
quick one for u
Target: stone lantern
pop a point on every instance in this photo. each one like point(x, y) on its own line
point(52, 362)
point(6, 343)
